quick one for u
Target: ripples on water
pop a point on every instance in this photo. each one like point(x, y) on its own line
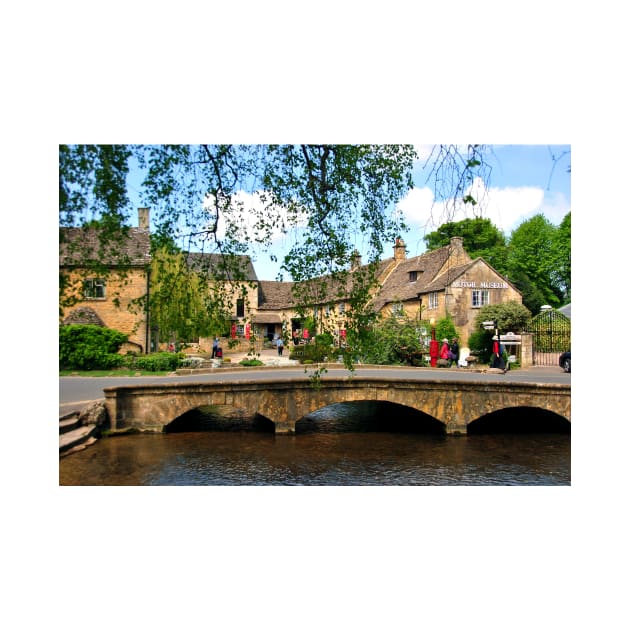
point(327, 450)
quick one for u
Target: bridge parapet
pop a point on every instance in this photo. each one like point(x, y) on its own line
point(454, 403)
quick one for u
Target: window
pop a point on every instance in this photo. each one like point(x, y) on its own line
point(240, 308)
point(397, 309)
point(413, 276)
point(480, 298)
point(330, 310)
point(94, 289)
point(433, 300)
point(342, 308)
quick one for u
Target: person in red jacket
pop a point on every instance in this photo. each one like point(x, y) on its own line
point(444, 350)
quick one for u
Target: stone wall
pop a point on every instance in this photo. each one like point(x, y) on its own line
point(114, 310)
point(460, 296)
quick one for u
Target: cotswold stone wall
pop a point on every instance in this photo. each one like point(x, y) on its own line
point(479, 277)
point(455, 404)
point(113, 310)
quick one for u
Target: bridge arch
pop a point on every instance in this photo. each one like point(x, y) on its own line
point(522, 419)
point(369, 415)
point(219, 418)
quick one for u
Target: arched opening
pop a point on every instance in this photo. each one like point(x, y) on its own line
point(520, 420)
point(368, 416)
point(219, 418)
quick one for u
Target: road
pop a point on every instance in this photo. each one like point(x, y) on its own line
point(77, 391)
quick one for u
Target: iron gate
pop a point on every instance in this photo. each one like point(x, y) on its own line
point(551, 336)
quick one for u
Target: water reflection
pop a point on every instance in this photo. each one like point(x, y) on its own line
point(349, 444)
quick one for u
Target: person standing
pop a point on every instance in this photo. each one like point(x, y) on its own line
point(444, 350)
point(280, 346)
point(215, 347)
point(454, 352)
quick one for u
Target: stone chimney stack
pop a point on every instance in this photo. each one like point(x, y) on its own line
point(457, 242)
point(457, 253)
point(143, 218)
point(400, 250)
point(355, 260)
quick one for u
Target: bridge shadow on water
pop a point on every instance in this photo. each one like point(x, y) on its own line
point(369, 416)
point(219, 418)
point(520, 420)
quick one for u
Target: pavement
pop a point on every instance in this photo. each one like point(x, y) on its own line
point(269, 356)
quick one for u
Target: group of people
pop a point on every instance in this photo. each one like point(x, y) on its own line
point(450, 352)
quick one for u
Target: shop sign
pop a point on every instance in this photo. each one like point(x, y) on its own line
point(465, 284)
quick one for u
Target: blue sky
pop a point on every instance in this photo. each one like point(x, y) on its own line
point(523, 182)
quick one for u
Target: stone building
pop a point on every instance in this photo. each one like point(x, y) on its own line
point(105, 283)
point(444, 281)
point(429, 286)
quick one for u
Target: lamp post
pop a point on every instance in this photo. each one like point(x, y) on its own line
point(433, 345)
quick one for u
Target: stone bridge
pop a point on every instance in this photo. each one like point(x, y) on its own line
point(455, 403)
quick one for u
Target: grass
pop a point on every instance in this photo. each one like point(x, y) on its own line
point(120, 372)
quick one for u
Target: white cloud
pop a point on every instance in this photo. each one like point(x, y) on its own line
point(252, 218)
point(506, 207)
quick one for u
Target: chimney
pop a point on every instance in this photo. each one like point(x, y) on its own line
point(355, 260)
point(143, 218)
point(400, 251)
point(457, 242)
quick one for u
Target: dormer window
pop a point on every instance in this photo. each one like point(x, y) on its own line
point(413, 276)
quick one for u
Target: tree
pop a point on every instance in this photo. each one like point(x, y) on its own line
point(481, 239)
point(183, 304)
point(330, 192)
point(562, 246)
point(532, 258)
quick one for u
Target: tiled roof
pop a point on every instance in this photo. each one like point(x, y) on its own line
point(432, 274)
point(81, 246)
point(225, 267)
point(274, 295)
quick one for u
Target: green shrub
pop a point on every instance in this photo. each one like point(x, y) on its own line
point(250, 362)
point(445, 329)
point(480, 344)
point(324, 339)
point(157, 362)
point(89, 347)
point(313, 352)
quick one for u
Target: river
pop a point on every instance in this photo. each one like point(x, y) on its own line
point(343, 445)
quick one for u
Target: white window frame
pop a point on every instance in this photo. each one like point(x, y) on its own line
point(397, 309)
point(434, 300)
point(480, 297)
